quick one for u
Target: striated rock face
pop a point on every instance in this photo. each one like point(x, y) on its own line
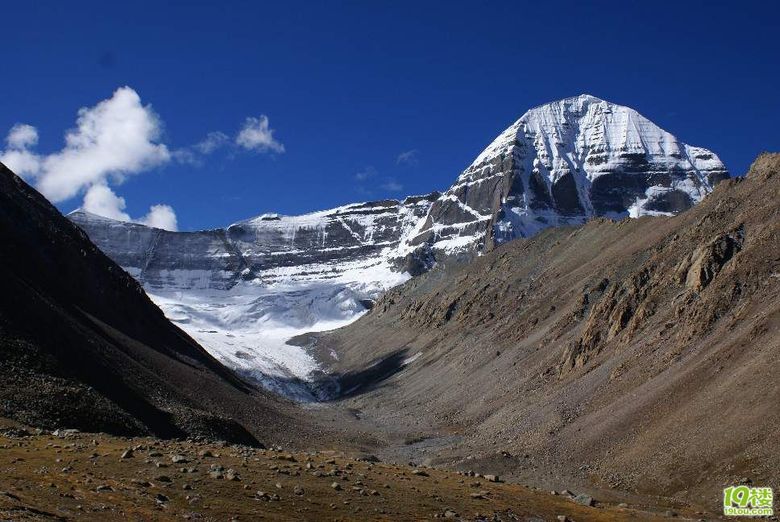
point(563, 163)
point(267, 249)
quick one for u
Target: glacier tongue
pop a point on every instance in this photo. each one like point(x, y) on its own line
point(243, 291)
point(247, 326)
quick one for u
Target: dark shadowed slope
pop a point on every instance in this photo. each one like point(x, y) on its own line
point(82, 346)
point(640, 355)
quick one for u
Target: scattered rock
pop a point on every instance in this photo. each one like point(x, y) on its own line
point(367, 458)
point(336, 486)
point(127, 454)
point(179, 459)
point(420, 473)
point(298, 490)
point(585, 500)
point(492, 478)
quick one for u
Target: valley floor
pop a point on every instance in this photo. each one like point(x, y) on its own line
point(69, 475)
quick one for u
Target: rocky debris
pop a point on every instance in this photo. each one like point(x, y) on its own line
point(492, 478)
point(420, 473)
point(127, 454)
point(336, 486)
point(585, 500)
point(366, 457)
point(179, 459)
point(268, 497)
point(163, 478)
point(104, 487)
point(298, 490)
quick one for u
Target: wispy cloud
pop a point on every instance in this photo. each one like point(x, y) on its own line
point(391, 185)
point(409, 157)
point(365, 173)
point(213, 141)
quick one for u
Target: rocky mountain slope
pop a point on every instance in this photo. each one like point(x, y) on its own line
point(82, 346)
point(243, 291)
point(636, 355)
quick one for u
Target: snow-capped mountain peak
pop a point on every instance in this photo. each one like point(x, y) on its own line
point(563, 163)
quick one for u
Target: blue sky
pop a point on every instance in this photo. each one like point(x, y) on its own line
point(347, 87)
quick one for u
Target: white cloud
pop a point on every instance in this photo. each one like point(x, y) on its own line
point(22, 136)
point(160, 216)
point(409, 157)
point(101, 200)
point(257, 135)
point(23, 162)
point(116, 138)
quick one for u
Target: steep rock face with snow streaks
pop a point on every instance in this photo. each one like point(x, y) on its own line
point(563, 163)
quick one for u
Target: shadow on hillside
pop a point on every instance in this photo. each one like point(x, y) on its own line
point(371, 377)
point(330, 387)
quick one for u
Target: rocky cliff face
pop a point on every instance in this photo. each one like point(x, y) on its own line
point(242, 291)
point(268, 249)
point(562, 164)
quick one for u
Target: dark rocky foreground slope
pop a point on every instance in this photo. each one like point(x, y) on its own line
point(638, 355)
point(82, 346)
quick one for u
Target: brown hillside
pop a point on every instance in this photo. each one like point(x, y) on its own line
point(639, 355)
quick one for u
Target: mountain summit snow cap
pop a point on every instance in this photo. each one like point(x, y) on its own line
point(562, 163)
